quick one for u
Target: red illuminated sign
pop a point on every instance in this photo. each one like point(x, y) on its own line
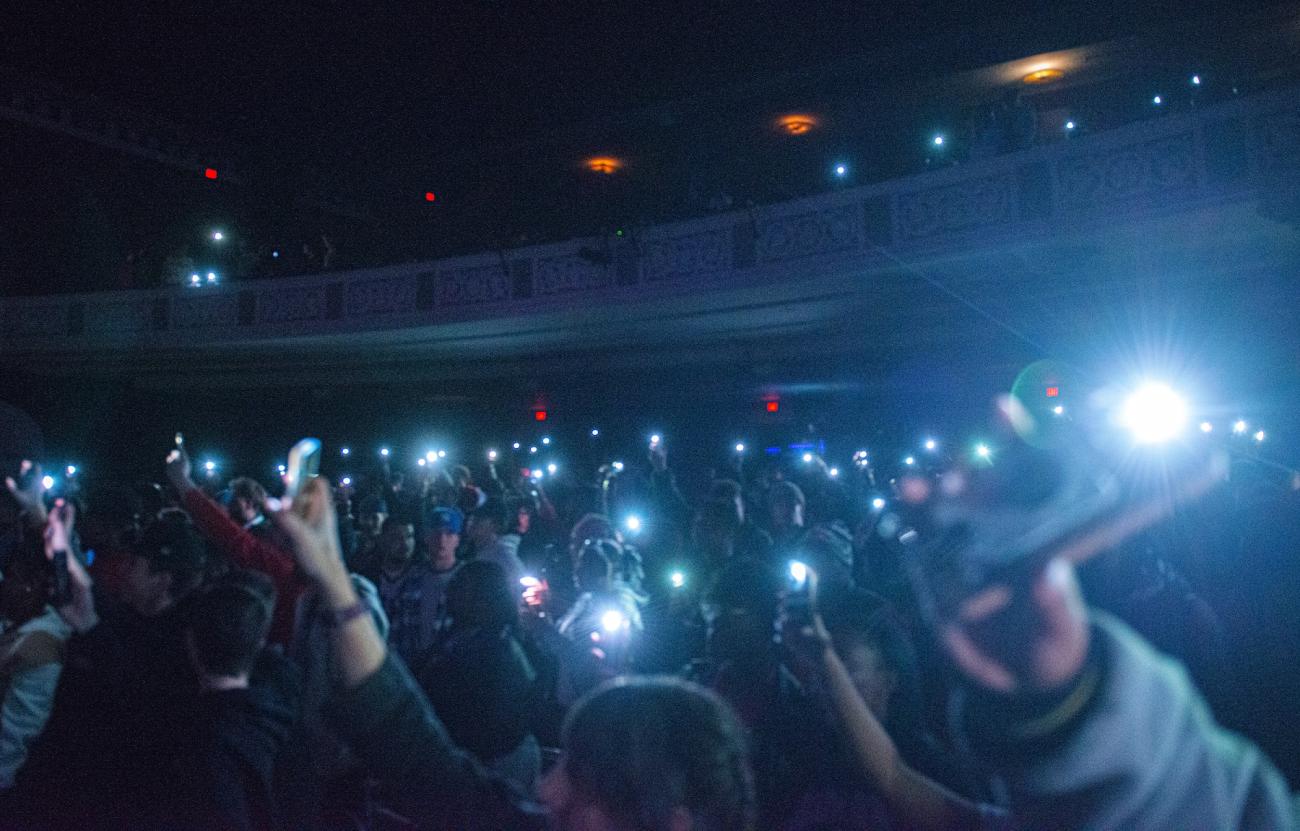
point(540, 415)
point(773, 406)
point(210, 172)
point(1053, 392)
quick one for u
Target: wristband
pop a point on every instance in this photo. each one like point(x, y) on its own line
point(345, 616)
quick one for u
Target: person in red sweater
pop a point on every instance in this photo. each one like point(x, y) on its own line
point(244, 548)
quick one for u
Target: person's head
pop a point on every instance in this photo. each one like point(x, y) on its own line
point(487, 522)
point(227, 624)
point(167, 562)
point(521, 516)
point(730, 490)
point(785, 506)
point(26, 585)
point(595, 568)
point(877, 652)
point(651, 754)
point(480, 594)
point(590, 527)
point(715, 528)
point(442, 527)
point(740, 609)
point(247, 500)
point(371, 514)
point(397, 542)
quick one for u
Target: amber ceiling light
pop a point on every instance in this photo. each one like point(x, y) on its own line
point(605, 165)
point(1044, 76)
point(797, 124)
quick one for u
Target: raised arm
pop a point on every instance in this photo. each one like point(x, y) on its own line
point(380, 710)
point(1091, 728)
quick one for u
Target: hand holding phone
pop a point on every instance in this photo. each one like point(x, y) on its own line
point(304, 465)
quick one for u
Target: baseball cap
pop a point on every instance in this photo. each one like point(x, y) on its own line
point(449, 518)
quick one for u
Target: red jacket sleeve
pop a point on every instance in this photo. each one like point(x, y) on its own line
point(248, 551)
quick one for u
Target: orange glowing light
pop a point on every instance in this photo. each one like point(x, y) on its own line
point(605, 165)
point(797, 124)
point(1045, 75)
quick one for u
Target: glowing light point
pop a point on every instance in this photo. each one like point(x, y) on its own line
point(1069, 125)
point(1058, 409)
point(422, 462)
point(614, 621)
point(72, 470)
point(430, 456)
point(740, 447)
point(345, 451)
point(47, 482)
point(1157, 100)
point(195, 280)
point(834, 472)
point(1260, 435)
point(1154, 413)
point(1239, 426)
point(551, 468)
point(878, 503)
point(345, 481)
point(633, 523)
point(532, 449)
point(594, 432)
point(383, 451)
point(492, 455)
point(807, 458)
point(798, 572)
point(983, 451)
point(841, 170)
point(442, 454)
point(210, 466)
point(546, 439)
point(909, 461)
point(938, 141)
point(1207, 427)
point(656, 438)
point(677, 579)
point(931, 444)
point(217, 236)
point(1196, 80)
point(515, 445)
point(617, 466)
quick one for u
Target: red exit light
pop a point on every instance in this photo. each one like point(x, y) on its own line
point(210, 172)
point(1053, 392)
point(430, 196)
point(540, 415)
point(773, 406)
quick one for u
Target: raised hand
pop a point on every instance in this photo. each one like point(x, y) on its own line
point(79, 612)
point(1027, 639)
point(179, 470)
point(311, 524)
point(29, 491)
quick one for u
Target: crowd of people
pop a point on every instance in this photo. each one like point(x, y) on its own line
point(452, 648)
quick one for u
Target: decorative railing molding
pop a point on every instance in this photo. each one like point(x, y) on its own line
point(1230, 152)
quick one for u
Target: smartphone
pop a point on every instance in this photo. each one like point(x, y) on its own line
point(304, 464)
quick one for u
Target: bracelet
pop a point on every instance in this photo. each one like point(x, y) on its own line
point(345, 616)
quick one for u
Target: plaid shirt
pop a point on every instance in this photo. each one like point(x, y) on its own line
point(415, 604)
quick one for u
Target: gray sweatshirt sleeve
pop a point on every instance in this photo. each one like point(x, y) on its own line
point(1149, 755)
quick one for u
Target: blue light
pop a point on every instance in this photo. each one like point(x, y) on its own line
point(1069, 126)
point(1157, 100)
point(841, 170)
point(195, 280)
point(938, 141)
point(212, 276)
point(1196, 80)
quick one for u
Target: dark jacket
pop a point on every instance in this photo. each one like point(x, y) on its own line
point(389, 724)
point(117, 716)
point(221, 775)
point(480, 684)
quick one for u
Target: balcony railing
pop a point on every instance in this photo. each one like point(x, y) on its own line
point(1228, 153)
